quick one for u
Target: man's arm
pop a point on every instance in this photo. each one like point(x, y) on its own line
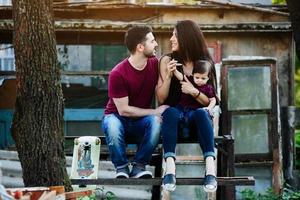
point(126, 110)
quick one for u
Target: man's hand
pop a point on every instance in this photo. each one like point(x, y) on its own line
point(160, 109)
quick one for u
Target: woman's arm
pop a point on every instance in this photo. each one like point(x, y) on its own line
point(166, 69)
point(188, 88)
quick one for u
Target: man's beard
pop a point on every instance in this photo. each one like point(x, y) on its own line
point(149, 54)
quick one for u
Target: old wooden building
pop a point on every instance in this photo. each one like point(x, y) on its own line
point(90, 42)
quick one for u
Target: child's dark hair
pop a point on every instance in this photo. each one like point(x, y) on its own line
point(202, 66)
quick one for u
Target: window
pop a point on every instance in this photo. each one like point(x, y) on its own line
point(7, 58)
point(5, 3)
point(249, 113)
point(84, 81)
point(249, 105)
point(85, 73)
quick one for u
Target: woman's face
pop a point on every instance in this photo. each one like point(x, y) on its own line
point(174, 41)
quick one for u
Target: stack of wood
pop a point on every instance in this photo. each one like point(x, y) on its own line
point(46, 193)
point(12, 177)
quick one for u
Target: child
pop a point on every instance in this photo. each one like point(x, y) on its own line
point(201, 75)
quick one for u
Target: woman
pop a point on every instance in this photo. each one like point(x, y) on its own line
point(188, 45)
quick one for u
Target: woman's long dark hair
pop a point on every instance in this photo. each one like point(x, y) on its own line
point(192, 47)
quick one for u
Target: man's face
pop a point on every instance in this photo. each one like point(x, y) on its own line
point(200, 79)
point(150, 44)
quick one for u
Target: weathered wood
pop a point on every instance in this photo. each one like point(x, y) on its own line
point(218, 139)
point(66, 73)
point(243, 6)
point(274, 149)
point(189, 159)
point(7, 73)
point(12, 181)
point(297, 116)
point(222, 181)
point(85, 73)
point(221, 142)
point(9, 155)
point(288, 129)
point(294, 9)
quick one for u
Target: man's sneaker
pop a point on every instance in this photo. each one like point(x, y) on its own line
point(123, 172)
point(139, 171)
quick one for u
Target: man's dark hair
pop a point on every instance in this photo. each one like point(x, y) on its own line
point(136, 35)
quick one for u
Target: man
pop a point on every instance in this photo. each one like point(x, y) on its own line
point(128, 115)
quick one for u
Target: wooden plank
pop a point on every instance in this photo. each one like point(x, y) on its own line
point(83, 115)
point(12, 166)
point(12, 181)
point(6, 116)
point(85, 73)
point(189, 159)
point(9, 155)
point(246, 7)
point(222, 181)
point(66, 73)
point(218, 139)
point(77, 194)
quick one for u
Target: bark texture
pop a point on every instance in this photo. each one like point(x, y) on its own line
point(38, 119)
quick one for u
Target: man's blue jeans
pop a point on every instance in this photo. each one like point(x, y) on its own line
point(199, 123)
point(145, 131)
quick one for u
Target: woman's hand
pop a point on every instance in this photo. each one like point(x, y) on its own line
point(187, 87)
point(171, 67)
point(166, 69)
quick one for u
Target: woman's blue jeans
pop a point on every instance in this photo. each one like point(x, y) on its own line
point(199, 123)
point(145, 131)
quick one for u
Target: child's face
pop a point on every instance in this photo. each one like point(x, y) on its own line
point(200, 79)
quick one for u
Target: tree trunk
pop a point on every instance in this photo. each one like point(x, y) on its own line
point(38, 119)
point(294, 9)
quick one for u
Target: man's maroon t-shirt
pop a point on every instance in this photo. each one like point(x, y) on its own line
point(139, 85)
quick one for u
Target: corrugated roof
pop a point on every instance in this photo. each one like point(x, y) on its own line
point(113, 26)
point(197, 4)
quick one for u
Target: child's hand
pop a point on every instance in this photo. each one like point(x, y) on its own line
point(210, 111)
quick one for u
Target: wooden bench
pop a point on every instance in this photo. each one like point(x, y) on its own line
point(226, 179)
